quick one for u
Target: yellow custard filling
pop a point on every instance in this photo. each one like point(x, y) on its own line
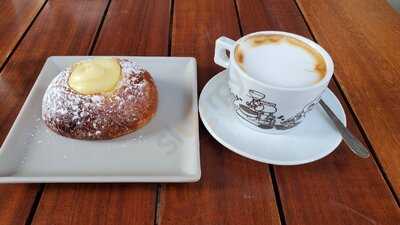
point(100, 75)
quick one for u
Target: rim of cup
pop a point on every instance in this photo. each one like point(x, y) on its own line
point(325, 55)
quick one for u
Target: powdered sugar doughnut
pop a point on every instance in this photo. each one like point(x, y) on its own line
point(102, 115)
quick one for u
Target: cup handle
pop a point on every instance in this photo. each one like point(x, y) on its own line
point(222, 44)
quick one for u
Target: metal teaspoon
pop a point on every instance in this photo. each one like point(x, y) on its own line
point(354, 144)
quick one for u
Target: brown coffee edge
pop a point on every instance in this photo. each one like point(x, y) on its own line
point(261, 39)
point(320, 65)
point(239, 57)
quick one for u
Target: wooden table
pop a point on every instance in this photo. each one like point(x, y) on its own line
point(363, 38)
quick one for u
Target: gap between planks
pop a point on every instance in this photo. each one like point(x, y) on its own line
point(357, 121)
point(158, 189)
point(40, 192)
point(22, 36)
point(41, 186)
point(159, 186)
point(35, 205)
point(275, 186)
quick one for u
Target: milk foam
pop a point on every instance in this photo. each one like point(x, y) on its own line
point(281, 62)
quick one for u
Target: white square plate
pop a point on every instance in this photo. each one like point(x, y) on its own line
point(165, 150)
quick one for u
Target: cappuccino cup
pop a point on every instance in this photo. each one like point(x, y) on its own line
point(275, 78)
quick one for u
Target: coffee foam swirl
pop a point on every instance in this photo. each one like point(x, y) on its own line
point(280, 60)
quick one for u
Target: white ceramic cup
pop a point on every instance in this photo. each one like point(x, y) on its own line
point(261, 106)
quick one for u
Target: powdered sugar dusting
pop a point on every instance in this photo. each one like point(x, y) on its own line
point(130, 67)
point(85, 116)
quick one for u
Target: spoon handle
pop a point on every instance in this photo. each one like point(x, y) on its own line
point(354, 144)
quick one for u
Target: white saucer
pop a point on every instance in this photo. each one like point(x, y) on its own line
point(311, 140)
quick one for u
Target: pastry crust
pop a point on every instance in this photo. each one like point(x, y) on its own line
point(129, 107)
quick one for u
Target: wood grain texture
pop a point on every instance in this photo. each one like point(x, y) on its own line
point(135, 28)
point(16, 202)
point(108, 204)
point(341, 188)
point(15, 17)
point(364, 40)
point(46, 37)
point(232, 190)
point(130, 28)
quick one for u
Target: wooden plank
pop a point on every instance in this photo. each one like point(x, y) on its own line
point(15, 19)
point(96, 204)
point(16, 202)
point(364, 39)
point(340, 189)
point(232, 189)
point(130, 28)
point(46, 37)
point(135, 28)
